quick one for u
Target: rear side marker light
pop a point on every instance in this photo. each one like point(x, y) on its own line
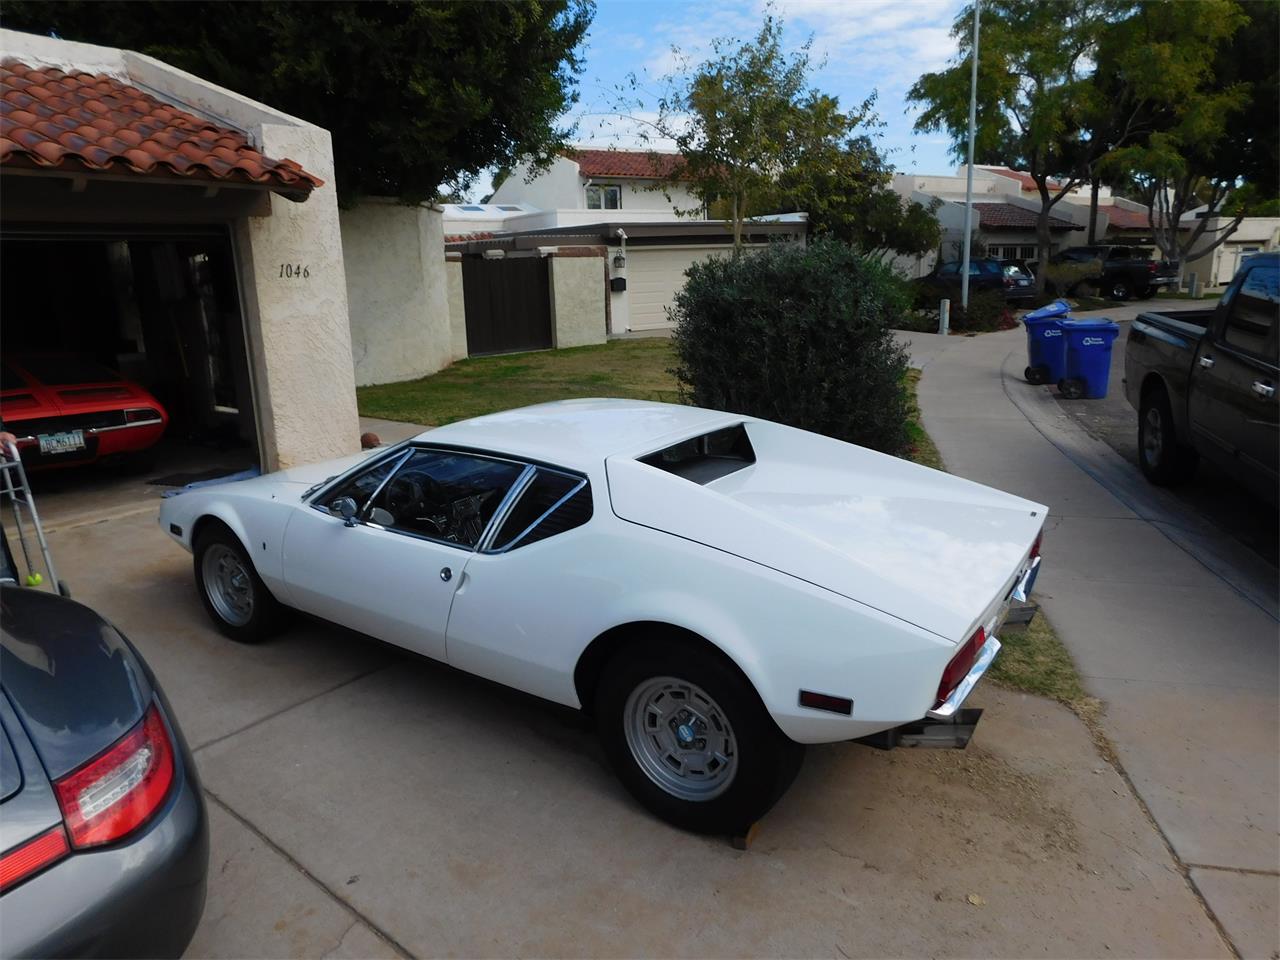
point(32, 857)
point(824, 701)
point(122, 788)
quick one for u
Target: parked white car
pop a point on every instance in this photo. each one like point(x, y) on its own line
point(716, 590)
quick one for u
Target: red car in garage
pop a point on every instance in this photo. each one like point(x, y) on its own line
point(67, 409)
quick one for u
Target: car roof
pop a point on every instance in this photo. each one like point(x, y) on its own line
point(580, 433)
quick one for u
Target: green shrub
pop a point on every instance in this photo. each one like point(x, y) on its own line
point(800, 335)
point(987, 311)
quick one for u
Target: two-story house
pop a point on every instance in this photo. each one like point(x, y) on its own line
point(650, 223)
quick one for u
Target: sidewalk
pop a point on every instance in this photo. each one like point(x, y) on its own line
point(1184, 659)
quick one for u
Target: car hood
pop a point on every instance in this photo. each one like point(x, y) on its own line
point(923, 546)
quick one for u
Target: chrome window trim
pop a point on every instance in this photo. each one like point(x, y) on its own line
point(515, 541)
point(341, 480)
point(504, 508)
point(318, 491)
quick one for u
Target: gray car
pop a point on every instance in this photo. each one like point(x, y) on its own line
point(102, 823)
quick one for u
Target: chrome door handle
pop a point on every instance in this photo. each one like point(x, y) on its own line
point(1206, 362)
point(1264, 390)
point(446, 574)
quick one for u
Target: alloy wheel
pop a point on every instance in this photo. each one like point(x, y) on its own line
point(681, 738)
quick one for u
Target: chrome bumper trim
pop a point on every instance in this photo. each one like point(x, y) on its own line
point(1028, 581)
point(949, 706)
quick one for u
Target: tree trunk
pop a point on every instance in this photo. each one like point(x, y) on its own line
point(1043, 243)
point(737, 226)
point(1093, 209)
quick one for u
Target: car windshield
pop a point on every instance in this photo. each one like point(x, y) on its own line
point(68, 371)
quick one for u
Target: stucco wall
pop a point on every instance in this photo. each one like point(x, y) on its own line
point(299, 341)
point(457, 307)
point(554, 188)
point(577, 299)
point(397, 291)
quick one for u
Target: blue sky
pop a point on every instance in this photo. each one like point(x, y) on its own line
point(864, 45)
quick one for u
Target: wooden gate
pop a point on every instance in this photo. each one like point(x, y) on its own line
point(508, 304)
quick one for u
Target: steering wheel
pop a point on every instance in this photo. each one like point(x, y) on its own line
point(403, 497)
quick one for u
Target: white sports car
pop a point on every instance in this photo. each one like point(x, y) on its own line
point(716, 590)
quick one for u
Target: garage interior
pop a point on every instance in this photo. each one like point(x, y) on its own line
point(161, 308)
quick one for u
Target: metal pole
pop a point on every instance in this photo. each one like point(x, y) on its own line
point(968, 187)
point(944, 317)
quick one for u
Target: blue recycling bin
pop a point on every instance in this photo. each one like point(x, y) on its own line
point(1046, 356)
point(1088, 358)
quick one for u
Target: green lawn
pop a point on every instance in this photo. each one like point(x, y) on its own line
point(636, 369)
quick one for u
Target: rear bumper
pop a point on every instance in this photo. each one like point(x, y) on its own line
point(143, 898)
point(987, 655)
point(99, 442)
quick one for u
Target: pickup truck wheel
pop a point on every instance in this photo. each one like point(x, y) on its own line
point(233, 594)
point(1163, 459)
point(1146, 293)
point(1119, 290)
point(690, 738)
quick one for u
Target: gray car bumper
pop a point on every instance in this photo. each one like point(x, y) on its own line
point(143, 898)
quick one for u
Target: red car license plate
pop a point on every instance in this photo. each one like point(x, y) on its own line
point(67, 442)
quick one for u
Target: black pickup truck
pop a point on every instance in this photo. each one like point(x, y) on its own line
point(1204, 383)
point(1120, 273)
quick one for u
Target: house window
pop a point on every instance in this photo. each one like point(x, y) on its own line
point(604, 197)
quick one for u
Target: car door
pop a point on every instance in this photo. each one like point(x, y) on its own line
point(1233, 405)
point(530, 595)
point(392, 568)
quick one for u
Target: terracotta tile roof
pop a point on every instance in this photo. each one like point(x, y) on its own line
point(464, 237)
point(95, 122)
point(1010, 215)
point(1028, 183)
point(627, 163)
point(1122, 218)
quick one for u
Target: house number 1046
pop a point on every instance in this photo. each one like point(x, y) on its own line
point(290, 271)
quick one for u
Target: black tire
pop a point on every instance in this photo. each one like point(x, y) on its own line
point(266, 616)
point(767, 761)
point(1119, 289)
point(1036, 375)
point(1071, 388)
point(1164, 459)
point(1146, 293)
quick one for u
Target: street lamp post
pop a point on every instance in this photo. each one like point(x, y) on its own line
point(968, 187)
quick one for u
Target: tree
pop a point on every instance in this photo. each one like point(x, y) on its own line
point(416, 94)
point(755, 137)
point(1033, 94)
point(1217, 145)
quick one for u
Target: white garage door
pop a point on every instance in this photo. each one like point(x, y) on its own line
point(653, 277)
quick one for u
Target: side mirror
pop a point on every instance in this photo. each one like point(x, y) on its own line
point(345, 508)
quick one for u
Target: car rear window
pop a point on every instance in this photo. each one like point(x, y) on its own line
point(548, 491)
point(706, 458)
point(68, 371)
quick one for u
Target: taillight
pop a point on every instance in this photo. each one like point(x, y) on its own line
point(118, 791)
point(960, 665)
point(32, 857)
point(1035, 547)
point(141, 415)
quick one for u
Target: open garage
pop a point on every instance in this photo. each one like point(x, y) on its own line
point(171, 280)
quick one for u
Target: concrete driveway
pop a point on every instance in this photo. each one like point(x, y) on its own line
point(1172, 622)
point(367, 803)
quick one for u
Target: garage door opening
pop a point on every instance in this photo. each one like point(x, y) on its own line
point(109, 341)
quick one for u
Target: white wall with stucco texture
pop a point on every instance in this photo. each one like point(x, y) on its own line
point(397, 291)
point(577, 300)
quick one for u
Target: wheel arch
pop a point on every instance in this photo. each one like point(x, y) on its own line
point(592, 661)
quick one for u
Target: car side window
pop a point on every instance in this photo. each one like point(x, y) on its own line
point(949, 269)
point(362, 486)
point(552, 503)
point(1254, 311)
point(444, 495)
